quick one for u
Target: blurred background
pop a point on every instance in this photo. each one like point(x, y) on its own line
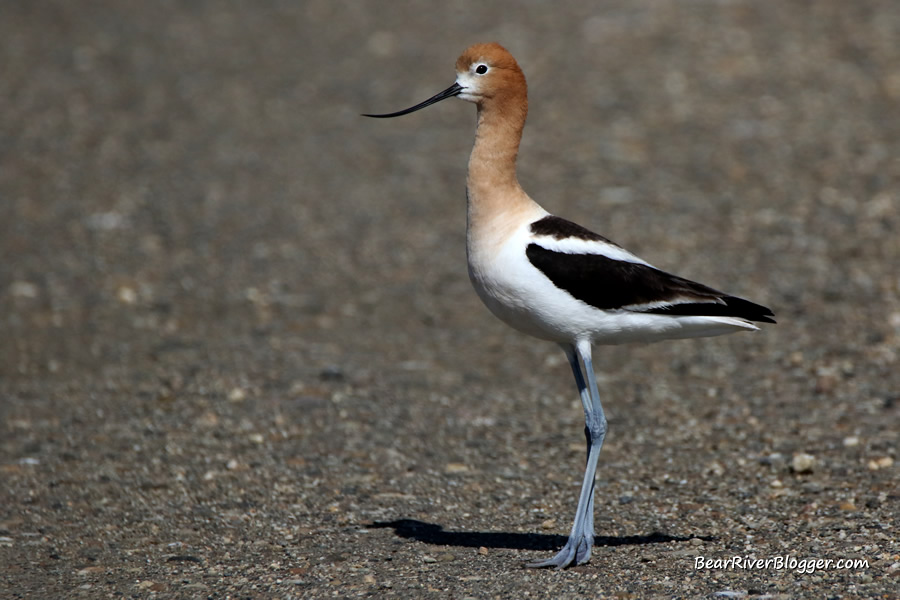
point(224, 293)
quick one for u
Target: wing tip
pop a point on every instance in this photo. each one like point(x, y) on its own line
point(723, 306)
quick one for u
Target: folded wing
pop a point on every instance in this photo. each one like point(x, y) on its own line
point(610, 283)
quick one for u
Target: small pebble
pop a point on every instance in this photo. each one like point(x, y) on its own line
point(803, 463)
point(880, 463)
point(23, 289)
point(331, 373)
point(813, 487)
point(715, 468)
point(796, 359)
point(771, 459)
point(126, 295)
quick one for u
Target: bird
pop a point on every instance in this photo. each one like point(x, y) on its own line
point(558, 281)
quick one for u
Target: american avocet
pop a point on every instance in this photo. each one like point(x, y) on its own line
point(556, 280)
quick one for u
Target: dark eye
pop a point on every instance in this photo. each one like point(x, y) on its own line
point(481, 69)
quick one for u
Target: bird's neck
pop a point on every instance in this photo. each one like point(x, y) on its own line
point(492, 186)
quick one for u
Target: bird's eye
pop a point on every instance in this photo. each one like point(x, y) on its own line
point(481, 69)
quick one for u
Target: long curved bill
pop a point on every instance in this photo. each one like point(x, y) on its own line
point(453, 90)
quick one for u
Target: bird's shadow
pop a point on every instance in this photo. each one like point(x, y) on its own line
point(431, 533)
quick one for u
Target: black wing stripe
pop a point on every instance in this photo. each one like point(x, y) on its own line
point(559, 228)
point(607, 283)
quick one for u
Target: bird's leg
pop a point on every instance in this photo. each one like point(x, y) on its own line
point(581, 539)
point(595, 431)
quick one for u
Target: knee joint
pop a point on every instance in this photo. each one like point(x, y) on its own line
point(595, 429)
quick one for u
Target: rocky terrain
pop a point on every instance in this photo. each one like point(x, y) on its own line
point(240, 356)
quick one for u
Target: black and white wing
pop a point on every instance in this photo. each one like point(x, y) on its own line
point(600, 273)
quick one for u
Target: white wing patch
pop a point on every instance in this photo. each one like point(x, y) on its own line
point(571, 245)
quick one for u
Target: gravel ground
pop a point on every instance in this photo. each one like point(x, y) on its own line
point(241, 357)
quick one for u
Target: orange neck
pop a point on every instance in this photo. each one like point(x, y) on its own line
point(492, 186)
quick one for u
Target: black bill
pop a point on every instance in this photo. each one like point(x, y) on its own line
point(453, 90)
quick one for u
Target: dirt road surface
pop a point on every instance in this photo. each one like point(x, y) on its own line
point(240, 356)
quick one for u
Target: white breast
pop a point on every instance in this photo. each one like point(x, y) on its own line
point(517, 293)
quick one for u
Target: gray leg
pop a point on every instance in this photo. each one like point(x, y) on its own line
point(581, 539)
point(595, 431)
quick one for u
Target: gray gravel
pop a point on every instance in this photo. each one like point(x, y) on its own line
point(241, 358)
